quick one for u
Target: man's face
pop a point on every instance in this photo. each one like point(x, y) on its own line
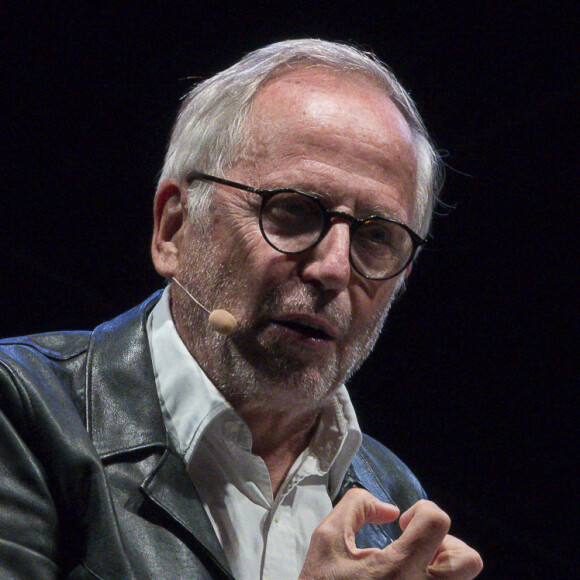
point(308, 320)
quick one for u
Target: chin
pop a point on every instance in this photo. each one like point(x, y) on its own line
point(284, 373)
point(307, 383)
point(285, 382)
point(303, 392)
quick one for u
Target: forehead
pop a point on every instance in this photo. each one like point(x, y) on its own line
point(320, 129)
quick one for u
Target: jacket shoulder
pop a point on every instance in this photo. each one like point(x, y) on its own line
point(52, 345)
point(385, 475)
point(32, 367)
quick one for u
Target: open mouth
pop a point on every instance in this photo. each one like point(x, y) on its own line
point(304, 329)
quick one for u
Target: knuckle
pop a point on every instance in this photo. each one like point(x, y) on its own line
point(439, 522)
point(325, 531)
point(474, 562)
point(437, 519)
point(427, 505)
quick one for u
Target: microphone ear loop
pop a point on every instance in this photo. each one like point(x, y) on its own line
point(219, 320)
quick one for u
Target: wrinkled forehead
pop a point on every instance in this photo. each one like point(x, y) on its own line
point(333, 125)
point(317, 100)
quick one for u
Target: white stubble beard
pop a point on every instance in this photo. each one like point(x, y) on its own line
point(249, 367)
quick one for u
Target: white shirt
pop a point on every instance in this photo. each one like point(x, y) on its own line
point(263, 537)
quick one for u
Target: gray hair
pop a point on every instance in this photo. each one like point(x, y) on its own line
point(208, 134)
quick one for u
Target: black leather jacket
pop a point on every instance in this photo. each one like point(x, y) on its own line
point(90, 486)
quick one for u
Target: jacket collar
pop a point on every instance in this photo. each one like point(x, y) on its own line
point(123, 411)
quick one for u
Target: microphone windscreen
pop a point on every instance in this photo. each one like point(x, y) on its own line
point(223, 322)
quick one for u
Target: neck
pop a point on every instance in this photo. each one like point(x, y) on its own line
point(280, 421)
point(279, 437)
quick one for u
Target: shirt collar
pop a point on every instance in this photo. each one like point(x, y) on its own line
point(191, 403)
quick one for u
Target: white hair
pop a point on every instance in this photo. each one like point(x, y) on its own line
point(208, 134)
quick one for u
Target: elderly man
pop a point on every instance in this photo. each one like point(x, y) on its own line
point(297, 190)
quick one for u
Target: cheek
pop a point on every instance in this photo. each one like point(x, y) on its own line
point(249, 256)
point(235, 233)
point(370, 300)
point(244, 250)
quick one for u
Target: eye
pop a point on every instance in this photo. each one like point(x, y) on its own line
point(291, 210)
point(375, 234)
point(290, 206)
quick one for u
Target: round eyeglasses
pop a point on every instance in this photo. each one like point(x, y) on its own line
point(293, 222)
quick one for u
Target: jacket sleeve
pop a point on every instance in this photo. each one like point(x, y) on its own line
point(28, 519)
point(383, 474)
point(57, 518)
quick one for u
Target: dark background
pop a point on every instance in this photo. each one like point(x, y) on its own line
point(474, 383)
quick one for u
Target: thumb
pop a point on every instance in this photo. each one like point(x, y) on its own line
point(358, 507)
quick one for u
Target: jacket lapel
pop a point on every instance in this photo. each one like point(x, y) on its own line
point(169, 486)
point(125, 421)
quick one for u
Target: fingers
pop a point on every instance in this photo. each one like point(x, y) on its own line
point(357, 508)
point(423, 551)
point(424, 528)
point(455, 560)
point(333, 553)
point(431, 550)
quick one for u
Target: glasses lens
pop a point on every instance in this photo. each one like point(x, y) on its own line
point(291, 222)
point(380, 249)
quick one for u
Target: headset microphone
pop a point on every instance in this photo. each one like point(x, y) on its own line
point(219, 320)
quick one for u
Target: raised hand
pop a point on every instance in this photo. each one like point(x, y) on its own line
point(424, 550)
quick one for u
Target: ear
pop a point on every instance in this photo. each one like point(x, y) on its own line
point(169, 218)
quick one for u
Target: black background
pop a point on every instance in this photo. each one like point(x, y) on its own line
point(474, 383)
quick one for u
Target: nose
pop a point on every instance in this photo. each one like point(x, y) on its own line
point(327, 264)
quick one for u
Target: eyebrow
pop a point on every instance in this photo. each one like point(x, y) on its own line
point(380, 211)
point(368, 211)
